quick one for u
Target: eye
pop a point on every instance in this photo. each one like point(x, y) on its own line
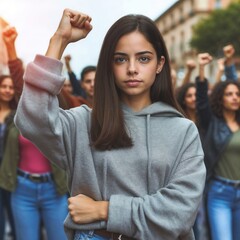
point(227, 94)
point(120, 60)
point(144, 59)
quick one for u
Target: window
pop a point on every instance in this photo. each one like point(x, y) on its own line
point(218, 4)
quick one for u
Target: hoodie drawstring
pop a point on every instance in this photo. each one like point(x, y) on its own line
point(148, 152)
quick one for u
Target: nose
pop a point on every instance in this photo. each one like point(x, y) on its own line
point(132, 68)
point(8, 89)
point(236, 96)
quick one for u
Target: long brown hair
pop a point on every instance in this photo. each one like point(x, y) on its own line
point(216, 99)
point(107, 128)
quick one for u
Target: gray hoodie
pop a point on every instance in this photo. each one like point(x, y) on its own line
point(153, 188)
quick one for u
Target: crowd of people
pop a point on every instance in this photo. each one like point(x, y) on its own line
point(215, 109)
point(124, 152)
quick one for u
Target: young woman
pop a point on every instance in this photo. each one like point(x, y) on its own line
point(186, 96)
point(220, 118)
point(8, 104)
point(134, 163)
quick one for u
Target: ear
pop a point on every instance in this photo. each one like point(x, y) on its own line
point(160, 65)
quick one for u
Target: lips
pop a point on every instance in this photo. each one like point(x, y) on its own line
point(235, 104)
point(7, 95)
point(133, 83)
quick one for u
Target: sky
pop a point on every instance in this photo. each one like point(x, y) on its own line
point(37, 20)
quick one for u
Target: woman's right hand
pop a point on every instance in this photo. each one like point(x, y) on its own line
point(73, 27)
point(203, 60)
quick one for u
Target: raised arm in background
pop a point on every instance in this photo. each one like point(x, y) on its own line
point(190, 66)
point(14, 63)
point(230, 67)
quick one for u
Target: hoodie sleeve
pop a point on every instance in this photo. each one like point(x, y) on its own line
point(170, 212)
point(38, 109)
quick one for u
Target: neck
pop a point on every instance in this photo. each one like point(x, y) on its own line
point(89, 99)
point(137, 103)
point(137, 106)
point(191, 114)
point(4, 111)
point(229, 116)
point(4, 106)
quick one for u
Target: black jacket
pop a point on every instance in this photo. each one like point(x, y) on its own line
point(216, 132)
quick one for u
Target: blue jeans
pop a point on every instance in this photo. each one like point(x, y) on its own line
point(224, 211)
point(31, 202)
point(87, 235)
point(5, 208)
point(2, 216)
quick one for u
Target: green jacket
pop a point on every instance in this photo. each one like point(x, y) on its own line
point(9, 165)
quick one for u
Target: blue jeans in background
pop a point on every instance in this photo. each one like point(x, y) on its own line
point(87, 235)
point(224, 211)
point(31, 202)
point(2, 216)
point(6, 214)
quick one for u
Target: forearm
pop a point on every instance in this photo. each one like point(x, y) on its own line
point(69, 69)
point(103, 210)
point(11, 51)
point(219, 76)
point(16, 70)
point(203, 60)
point(187, 77)
point(75, 84)
point(201, 73)
point(56, 46)
point(202, 100)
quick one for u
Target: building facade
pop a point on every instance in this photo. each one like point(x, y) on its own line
point(176, 25)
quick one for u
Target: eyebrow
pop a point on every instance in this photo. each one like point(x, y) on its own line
point(139, 53)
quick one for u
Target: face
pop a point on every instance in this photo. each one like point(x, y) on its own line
point(135, 66)
point(87, 83)
point(190, 98)
point(67, 86)
point(231, 98)
point(6, 90)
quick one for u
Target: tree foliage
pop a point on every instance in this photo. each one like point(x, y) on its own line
point(222, 27)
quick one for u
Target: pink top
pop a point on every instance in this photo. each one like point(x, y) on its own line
point(31, 159)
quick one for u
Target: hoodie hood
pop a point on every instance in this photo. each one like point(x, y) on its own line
point(155, 109)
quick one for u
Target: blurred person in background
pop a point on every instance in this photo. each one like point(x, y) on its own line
point(8, 105)
point(219, 116)
point(84, 87)
point(10, 90)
